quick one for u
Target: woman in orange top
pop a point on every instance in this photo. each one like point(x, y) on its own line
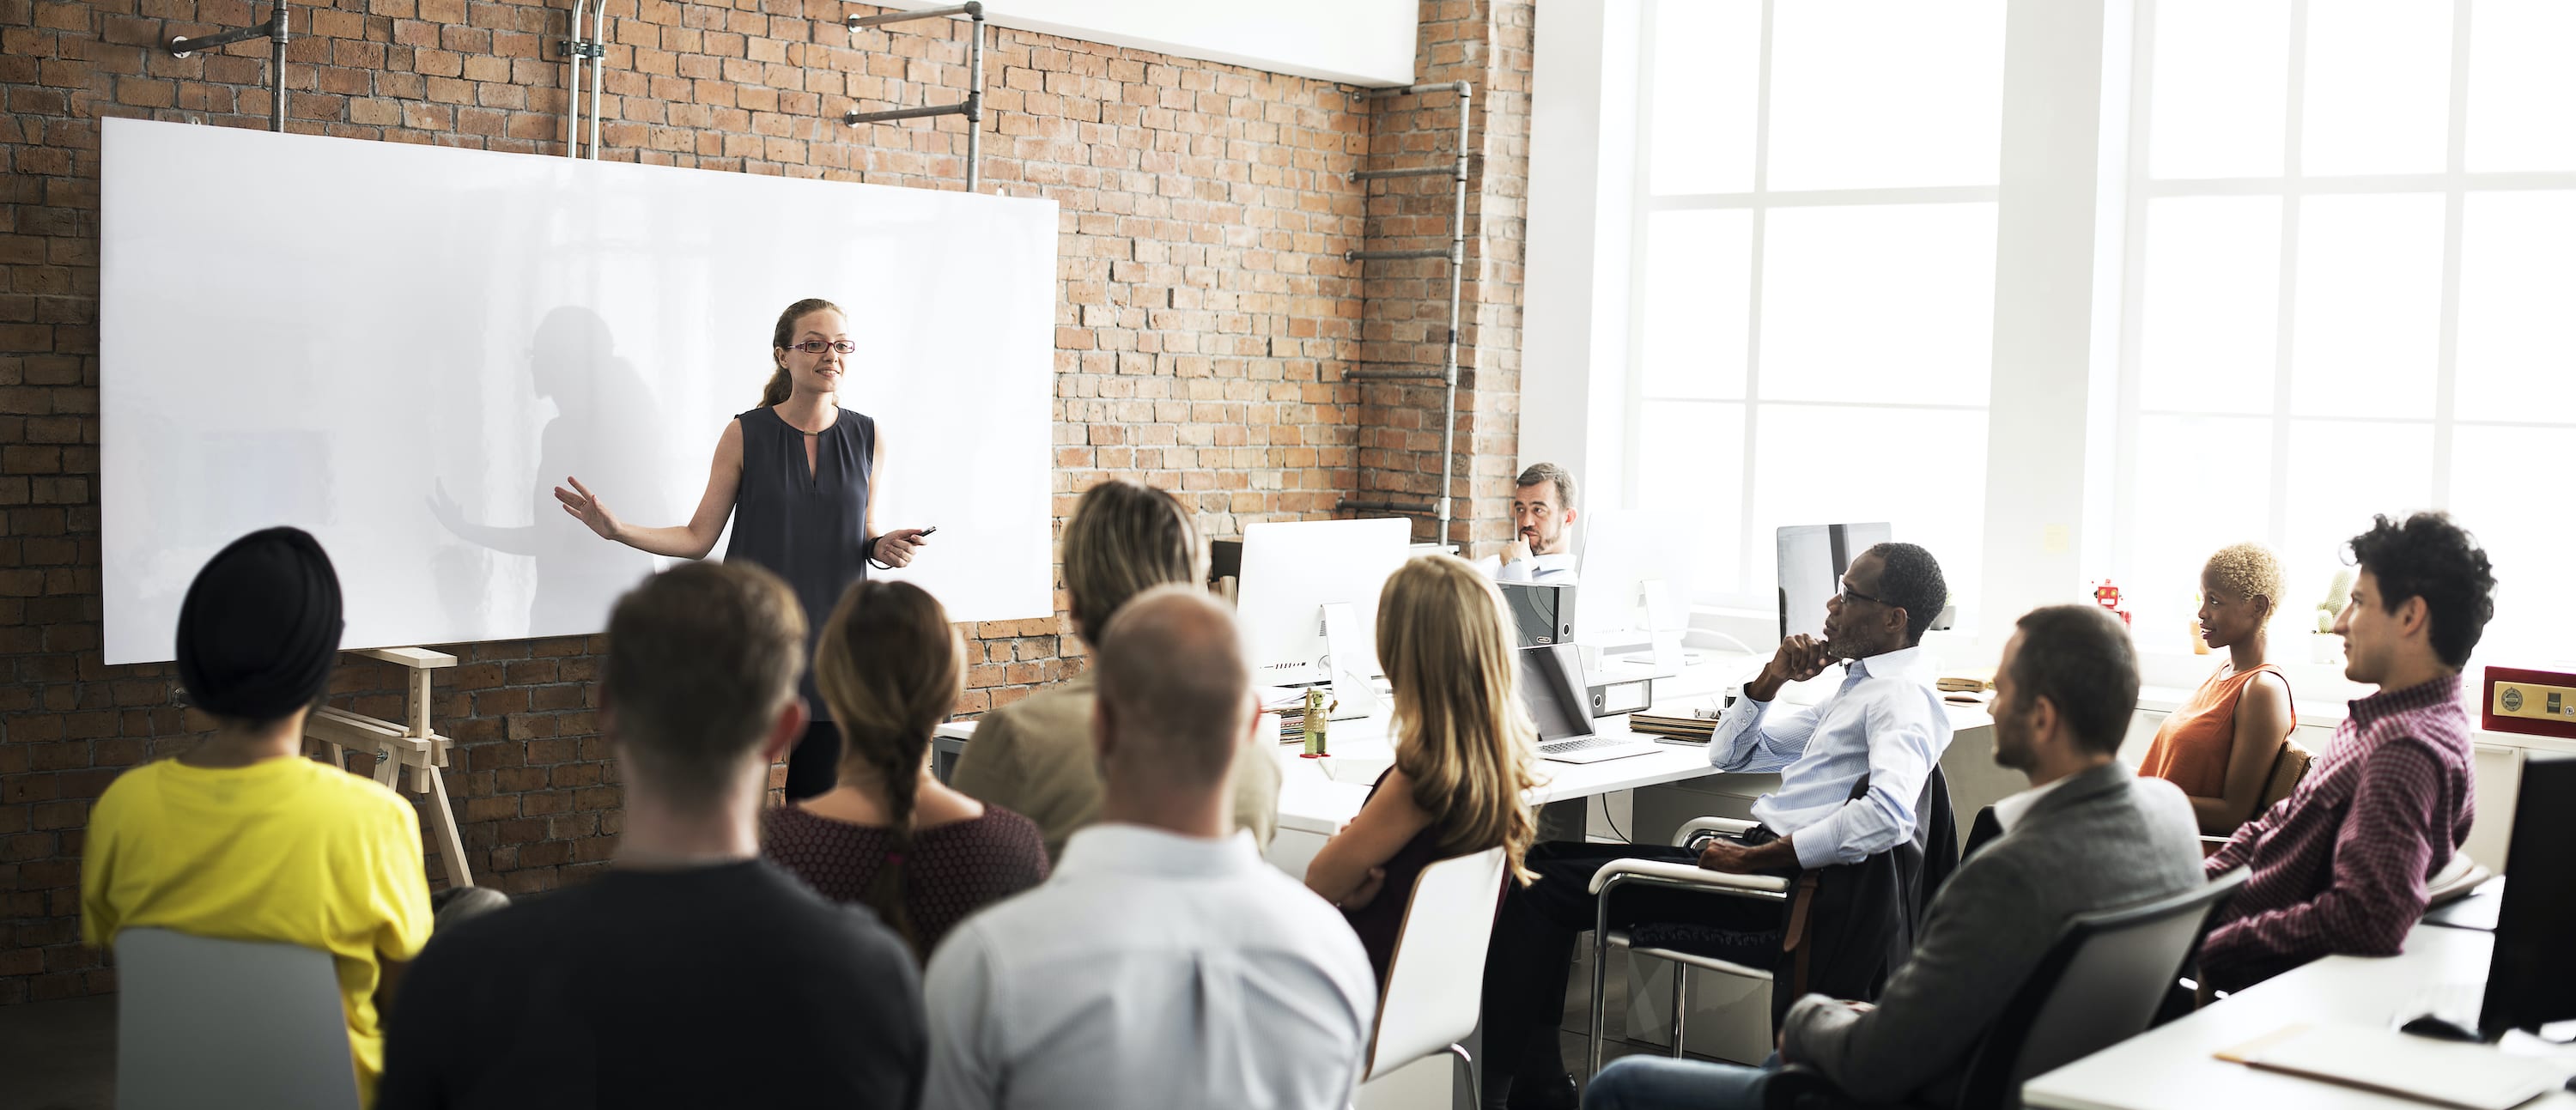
point(2219, 747)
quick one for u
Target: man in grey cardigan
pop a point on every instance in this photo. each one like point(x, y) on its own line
point(2088, 835)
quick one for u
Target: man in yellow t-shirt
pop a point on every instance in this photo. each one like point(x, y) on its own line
point(242, 838)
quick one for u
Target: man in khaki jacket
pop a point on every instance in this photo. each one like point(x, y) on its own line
point(1034, 757)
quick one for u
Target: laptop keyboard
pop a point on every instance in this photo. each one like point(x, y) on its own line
point(1589, 743)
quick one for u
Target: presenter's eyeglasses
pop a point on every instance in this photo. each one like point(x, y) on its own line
point(1850, 595)
point(838, 347)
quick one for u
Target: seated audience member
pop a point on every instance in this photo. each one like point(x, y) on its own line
point(2340, 866)
point(2086, 836)
point(1463, 746)
point(1164, 963)
point(690, 972)
point(241, 837)
point(1034, 756)
point(1882, 732)
point(2220, 746)
point(1542, 545)
point(889, 834)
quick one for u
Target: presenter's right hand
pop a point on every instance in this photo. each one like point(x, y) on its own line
point(585, 507)
point(1515, 549)
point(1800, 658)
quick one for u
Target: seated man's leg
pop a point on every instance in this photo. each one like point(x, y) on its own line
point(1532, 956)
point(1663, 1083)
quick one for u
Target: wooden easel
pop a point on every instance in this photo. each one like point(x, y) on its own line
point(397, 748)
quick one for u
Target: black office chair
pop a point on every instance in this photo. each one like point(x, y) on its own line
point(2099, 984)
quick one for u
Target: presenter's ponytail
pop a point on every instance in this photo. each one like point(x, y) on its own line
point(891, 667)
point(780, 385)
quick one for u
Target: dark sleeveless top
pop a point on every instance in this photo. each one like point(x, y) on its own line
point(1379, 922)
point(808, 527)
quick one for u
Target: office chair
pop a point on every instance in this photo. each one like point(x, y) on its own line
point(205, 1022)
point(2100, 983)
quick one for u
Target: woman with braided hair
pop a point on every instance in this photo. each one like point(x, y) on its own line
point(888, 835)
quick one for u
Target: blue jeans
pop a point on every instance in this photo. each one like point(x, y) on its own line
point(1663, 1083)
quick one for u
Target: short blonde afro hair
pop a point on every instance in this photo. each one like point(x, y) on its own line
point(2249, 570)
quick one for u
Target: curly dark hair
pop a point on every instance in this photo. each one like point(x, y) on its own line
point(2428, 556)
point(1909, 579)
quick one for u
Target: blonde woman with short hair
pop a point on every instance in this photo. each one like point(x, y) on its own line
point(2219, 747)
point(1034, 756)
point(1463, 747)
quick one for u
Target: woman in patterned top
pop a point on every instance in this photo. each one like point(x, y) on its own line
point(889, 835)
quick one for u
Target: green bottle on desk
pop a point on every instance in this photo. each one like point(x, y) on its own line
point(1318, 718)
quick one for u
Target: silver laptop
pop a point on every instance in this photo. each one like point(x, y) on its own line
point(1551, 681)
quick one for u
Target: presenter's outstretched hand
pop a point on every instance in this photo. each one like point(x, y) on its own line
point(585, 507)
point(897, 548)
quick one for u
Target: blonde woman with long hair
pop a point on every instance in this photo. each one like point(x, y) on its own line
point(1463, 748)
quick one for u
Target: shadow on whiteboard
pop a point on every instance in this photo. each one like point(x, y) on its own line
point(602, 430)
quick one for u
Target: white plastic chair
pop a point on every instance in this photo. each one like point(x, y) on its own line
point(203, 1022)
point(1435, 980)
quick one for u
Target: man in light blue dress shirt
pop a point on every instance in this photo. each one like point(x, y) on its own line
point(1852, 768)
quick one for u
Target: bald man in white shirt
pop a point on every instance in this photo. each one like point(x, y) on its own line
point(1164, 963)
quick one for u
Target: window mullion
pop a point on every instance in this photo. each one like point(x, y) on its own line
point(2454, 202)
point(2293, 129)
point(2133, 269)
point(1744, 585)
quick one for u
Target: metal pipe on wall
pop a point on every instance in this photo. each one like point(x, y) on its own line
point(180, 46)
point(1456, 253)
point(972, 107)
point(598, 66)
point(277, 65)
point(574, 53)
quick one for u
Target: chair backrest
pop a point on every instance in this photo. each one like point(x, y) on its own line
point(1435, 979)
point(205, 1022)
point(2288, 768)
point(2100, 983)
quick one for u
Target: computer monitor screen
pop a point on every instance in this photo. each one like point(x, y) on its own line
point(2532, 980)
point(1550, 680)
point(1813, 558)
point(1291, 570)
point(1622, 550)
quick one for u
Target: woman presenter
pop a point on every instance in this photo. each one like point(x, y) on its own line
point(795, 475)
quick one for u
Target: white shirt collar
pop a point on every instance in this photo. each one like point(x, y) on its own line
point(1140, 849)
point(1901, 663)
point(2010, 811)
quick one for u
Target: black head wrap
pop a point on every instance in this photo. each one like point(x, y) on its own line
point(260, 627)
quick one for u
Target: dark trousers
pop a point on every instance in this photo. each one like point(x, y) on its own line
point(814, 766)
point(1533, 948)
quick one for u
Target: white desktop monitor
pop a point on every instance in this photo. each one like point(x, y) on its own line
point(1291, 570)
point(1623, 549)
point(1813, 558)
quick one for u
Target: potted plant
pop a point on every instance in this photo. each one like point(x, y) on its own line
point(2323, 645)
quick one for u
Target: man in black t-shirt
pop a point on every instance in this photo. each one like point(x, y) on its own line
point(692, 973)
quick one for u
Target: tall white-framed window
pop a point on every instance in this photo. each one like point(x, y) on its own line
point(1813, 275)
point(2350, 288)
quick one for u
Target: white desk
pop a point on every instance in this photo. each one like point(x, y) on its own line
point(2171, 1068)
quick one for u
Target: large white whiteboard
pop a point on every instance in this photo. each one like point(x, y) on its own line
point(403, 348)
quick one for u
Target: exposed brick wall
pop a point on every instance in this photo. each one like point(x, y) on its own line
point(1206, 316)
point(1485, 43)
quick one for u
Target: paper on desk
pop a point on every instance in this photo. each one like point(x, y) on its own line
point(2450, 1073)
